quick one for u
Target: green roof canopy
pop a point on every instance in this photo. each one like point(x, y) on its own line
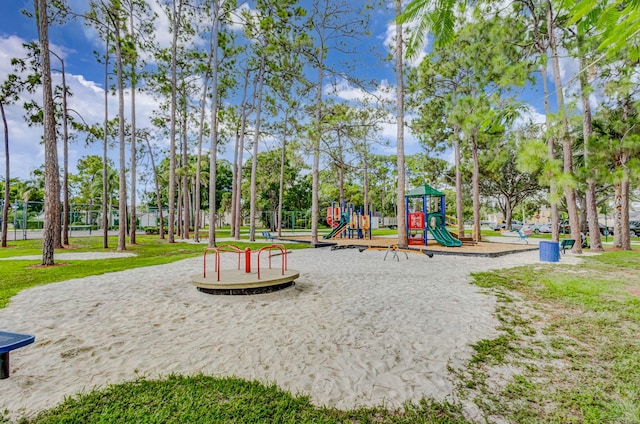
point(423, 190)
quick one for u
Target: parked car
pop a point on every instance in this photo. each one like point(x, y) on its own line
point(515, 225)
point(604, 230)
point(542, 228)
point(565, 228)
point(634, 229)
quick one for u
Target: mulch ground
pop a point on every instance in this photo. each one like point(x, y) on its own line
point(478, 249)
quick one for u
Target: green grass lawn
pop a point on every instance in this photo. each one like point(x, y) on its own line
point(568, 352)
point(570, 339)
point(204, 399)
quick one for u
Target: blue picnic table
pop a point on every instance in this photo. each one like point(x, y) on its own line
point(8, 342)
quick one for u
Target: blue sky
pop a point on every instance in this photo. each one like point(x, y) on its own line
point(85, 78)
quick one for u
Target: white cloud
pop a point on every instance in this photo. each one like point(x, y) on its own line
point(237, 18)
point(10, 47)
point(389, 133)
point(345, 91)
point(389, 40)
point(569, 68)
point(569, 78)
point(531, 116)
point(26, 150)
point(161, 30)
point(162, 34)
point(386, 93)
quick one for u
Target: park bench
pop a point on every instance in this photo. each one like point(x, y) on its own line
point(566, 244)
point(267, 235)
point(76, 227)
point(8, 342)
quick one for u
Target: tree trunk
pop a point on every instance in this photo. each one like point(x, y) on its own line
point(508, 215)
point(57, 238)
point(192, 202)
point(458, 164)
point(476, 186)
point(122, 192)
point(582, 201)
point(617, 215)
point(179, 208)
point(239, 220)
point(587, 130)
point(52, 181)
point(234, 179)
point(625, 239)
point(213, 168)
point(197, 196)
point(186, 218)
point(172, 131)
point(341, 197)
point(567, 150)
point(105, 204)
point(134, 223)
point(203, 106)
point(400, 201)
point(238, 183)
point(553, 191)
point(157, 188)
point(315, 169)
point(65, 140)
point(7, 178)
point(283, 155)
point(621, 239)
point(213, 153)
point(254, 159)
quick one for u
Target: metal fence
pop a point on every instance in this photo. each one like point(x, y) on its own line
point(26, 217)
point(291, 220)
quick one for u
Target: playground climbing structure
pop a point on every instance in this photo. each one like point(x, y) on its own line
point(347, 221)
point(425, 208)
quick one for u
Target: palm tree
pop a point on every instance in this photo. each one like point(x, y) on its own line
point(94, 192)
point(429, 16)
point(26, 189)
point(426, 16)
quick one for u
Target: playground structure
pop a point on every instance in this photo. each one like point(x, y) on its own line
point(247, 280)
point(427, 216)
point(347, 221)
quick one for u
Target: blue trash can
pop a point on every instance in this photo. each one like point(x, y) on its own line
point(549, 251)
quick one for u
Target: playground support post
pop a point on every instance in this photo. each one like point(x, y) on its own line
point(24, 219)
point(15, 213)
point(406, 217)
point(247, 260)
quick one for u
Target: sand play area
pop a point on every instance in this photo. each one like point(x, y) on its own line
point(354, 331)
